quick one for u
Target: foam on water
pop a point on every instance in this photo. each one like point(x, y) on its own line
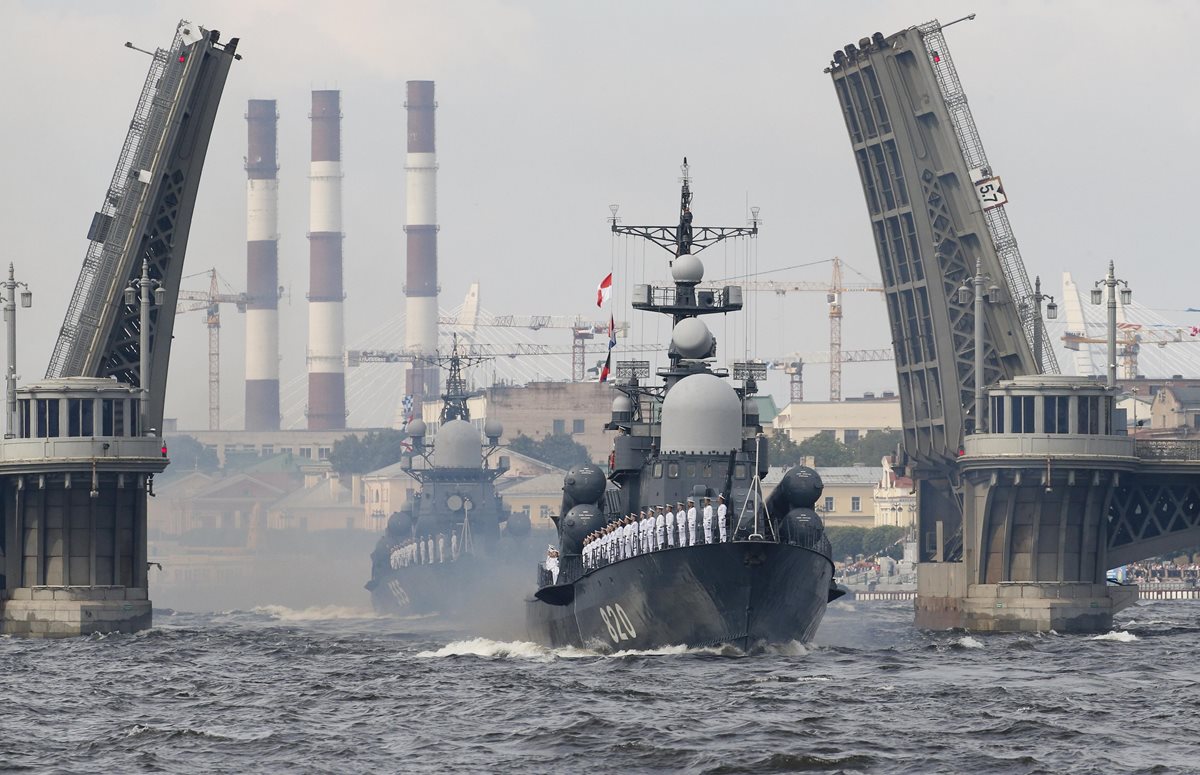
point(968, 642)
point(314, 614)
point(1117, 635)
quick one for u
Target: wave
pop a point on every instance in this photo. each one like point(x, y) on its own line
point(1117, 635)
point(967, 642)
point(492, 649)
point(314, 613)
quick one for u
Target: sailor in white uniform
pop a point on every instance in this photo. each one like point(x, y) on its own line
point(441, 547)
point(660, 529)
point(681, 522)
point(723, 518)
point(648, 532)
point(691, 512)
point(670, 527)
point(709, 535)
point(627, 534)
point(552, 563)
point(643, 534)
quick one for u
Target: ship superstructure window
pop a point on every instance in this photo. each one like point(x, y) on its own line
point(739, 471)
point(672, 470)
point(658, 470)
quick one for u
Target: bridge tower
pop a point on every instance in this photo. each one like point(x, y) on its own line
point(77, 468)
point(998, 523)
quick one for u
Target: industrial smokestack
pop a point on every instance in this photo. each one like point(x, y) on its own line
point(422, 286)
point(262, 267)
point(326, 377)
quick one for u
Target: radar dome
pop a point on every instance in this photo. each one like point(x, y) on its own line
point(692, 339)
point(457, 446)
point(701, 413)
point(687, 269)
point(622, 404)
point(415, 428)
point(493, 428)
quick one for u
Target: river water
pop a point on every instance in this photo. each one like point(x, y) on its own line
point(337, 690)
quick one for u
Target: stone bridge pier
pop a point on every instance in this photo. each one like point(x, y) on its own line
point(1038, 490)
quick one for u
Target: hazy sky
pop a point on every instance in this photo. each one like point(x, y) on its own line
point(550, 111)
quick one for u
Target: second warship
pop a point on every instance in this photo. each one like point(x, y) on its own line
point(454, 543)
point(675, 544)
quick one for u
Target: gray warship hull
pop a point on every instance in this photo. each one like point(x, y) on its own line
point(748, 594)
point(460, 588)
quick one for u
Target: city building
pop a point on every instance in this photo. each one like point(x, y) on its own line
point(847, 420)
point(895, 499)
point(1176, 409)
point(848, 499)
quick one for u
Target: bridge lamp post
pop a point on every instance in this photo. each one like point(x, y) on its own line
point(1111, 282)
point(974, 287)
point(10, 323)
point(1051, 314)
point(139, 292)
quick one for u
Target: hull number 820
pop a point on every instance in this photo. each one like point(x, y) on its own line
point(617, 622)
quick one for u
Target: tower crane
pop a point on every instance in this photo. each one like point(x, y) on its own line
point(210, 301)
point(833, 296)
point(793, 365)
point(1130, 338)
point(582, 330)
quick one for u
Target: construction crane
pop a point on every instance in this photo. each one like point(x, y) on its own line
point(210, 301)
point(833, 296)
point(793, 366)
point(582, 330)
point(517, 350)
point(1130, 338)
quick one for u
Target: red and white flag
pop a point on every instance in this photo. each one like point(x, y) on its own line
point(604, 291)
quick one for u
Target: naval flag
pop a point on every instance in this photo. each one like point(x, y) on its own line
point(612, 342)
point(604, 291)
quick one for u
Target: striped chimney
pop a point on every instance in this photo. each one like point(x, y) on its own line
point(326, 377)
point(262, 267)
point(421, 288)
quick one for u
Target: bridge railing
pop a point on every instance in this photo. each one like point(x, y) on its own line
point(1168, 449)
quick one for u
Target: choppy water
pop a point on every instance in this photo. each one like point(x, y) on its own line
point(336, 690)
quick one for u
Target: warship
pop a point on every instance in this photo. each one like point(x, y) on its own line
point(718, 564)
point(454, 543)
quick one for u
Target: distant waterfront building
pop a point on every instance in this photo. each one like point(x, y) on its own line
point(847, 421)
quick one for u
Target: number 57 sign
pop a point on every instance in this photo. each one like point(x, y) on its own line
point(990, 192)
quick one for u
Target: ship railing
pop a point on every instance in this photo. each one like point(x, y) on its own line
point(569, 571)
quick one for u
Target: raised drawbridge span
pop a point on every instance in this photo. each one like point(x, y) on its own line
point(146, 216)
point(1029, 488)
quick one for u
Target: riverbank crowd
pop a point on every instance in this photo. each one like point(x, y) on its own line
point(657, 528)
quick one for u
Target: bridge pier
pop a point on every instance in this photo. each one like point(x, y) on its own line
point(1037, 491)
point(73, 489)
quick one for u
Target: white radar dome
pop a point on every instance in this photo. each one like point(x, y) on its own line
point(493, 428)
point(687, 269)
point(415, 428)
point(457, 445)
point(701, 413)
point(622, 404)
point(692, 339)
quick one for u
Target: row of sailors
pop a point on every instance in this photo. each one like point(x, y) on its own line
point(424, 551)
point(655, 529)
